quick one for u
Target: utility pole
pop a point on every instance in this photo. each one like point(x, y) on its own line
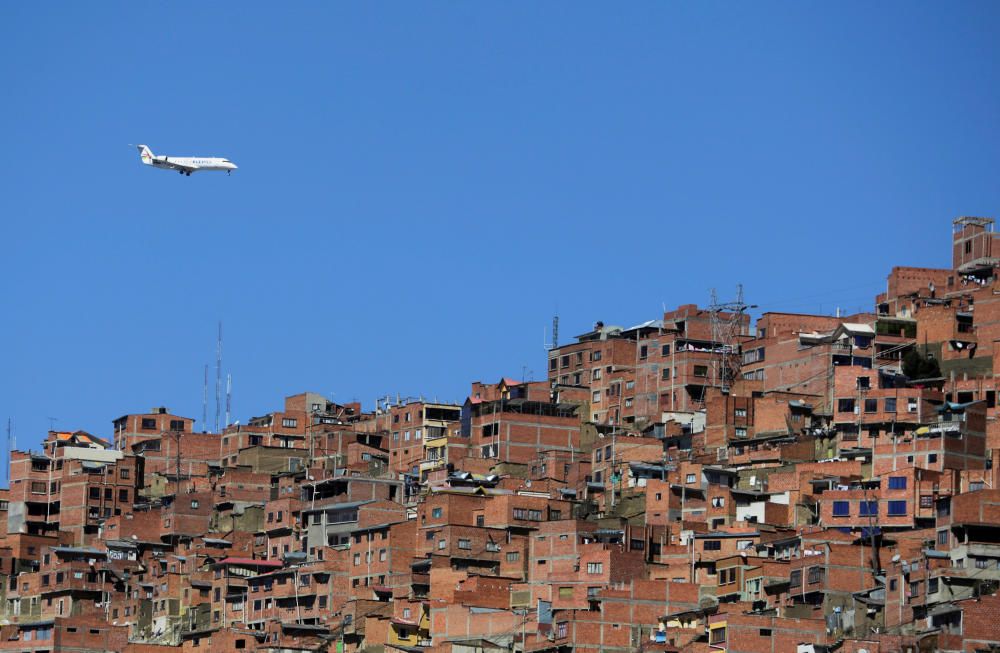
point(726, 320)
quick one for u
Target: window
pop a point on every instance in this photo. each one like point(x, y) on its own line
point(740, 431)
point(597, 396)
point(897, 508)
point(926, 501)
point(148, 423)
point(845, 405)
point(841, 508)
point(815, 574)
point(932, 458)
point(689, 478)
point(701, 370)
point(597, 374)
point(464, 544)
point(795, 578)
point(595, 567)
point(665, 374)
point(712, 545)
point(382, 554)
point(513, 556)
point(717, 635)
point(644, 352)
point(942, 537)
point(123, 496)
point(176, 425)
point(871, 405)
point(124, 473)
point(897, 482)
point(562, 629)
point(436, 513)
point(565, 593)
point(553, 364)
point(442, 544)
point(95, 492)
point(890, 405)
point(492, 547)
point(911, 405)
point(599, 455)
point(740, 412)
point(195, 504)
point(596, 355)
point(869, 509)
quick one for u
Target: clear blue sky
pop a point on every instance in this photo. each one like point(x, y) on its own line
point(423, 185)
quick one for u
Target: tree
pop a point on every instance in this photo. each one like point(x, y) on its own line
point(917, 366)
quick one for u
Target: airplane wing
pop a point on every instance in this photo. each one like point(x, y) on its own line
point(173, 165)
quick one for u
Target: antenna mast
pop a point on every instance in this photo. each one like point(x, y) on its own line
point(549, 346)
point(229, 396)
point(10, 430)
point(218, 378)
point(204, 402)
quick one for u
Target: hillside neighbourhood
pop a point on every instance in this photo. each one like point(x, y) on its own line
point(698, 482)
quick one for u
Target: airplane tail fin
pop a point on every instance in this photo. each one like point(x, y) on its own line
point(146, 155)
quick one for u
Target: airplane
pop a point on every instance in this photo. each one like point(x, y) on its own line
point(185, 164)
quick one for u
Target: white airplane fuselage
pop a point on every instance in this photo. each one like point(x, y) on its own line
point(185, 164)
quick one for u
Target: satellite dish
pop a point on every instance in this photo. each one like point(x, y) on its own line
point(895, 558)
